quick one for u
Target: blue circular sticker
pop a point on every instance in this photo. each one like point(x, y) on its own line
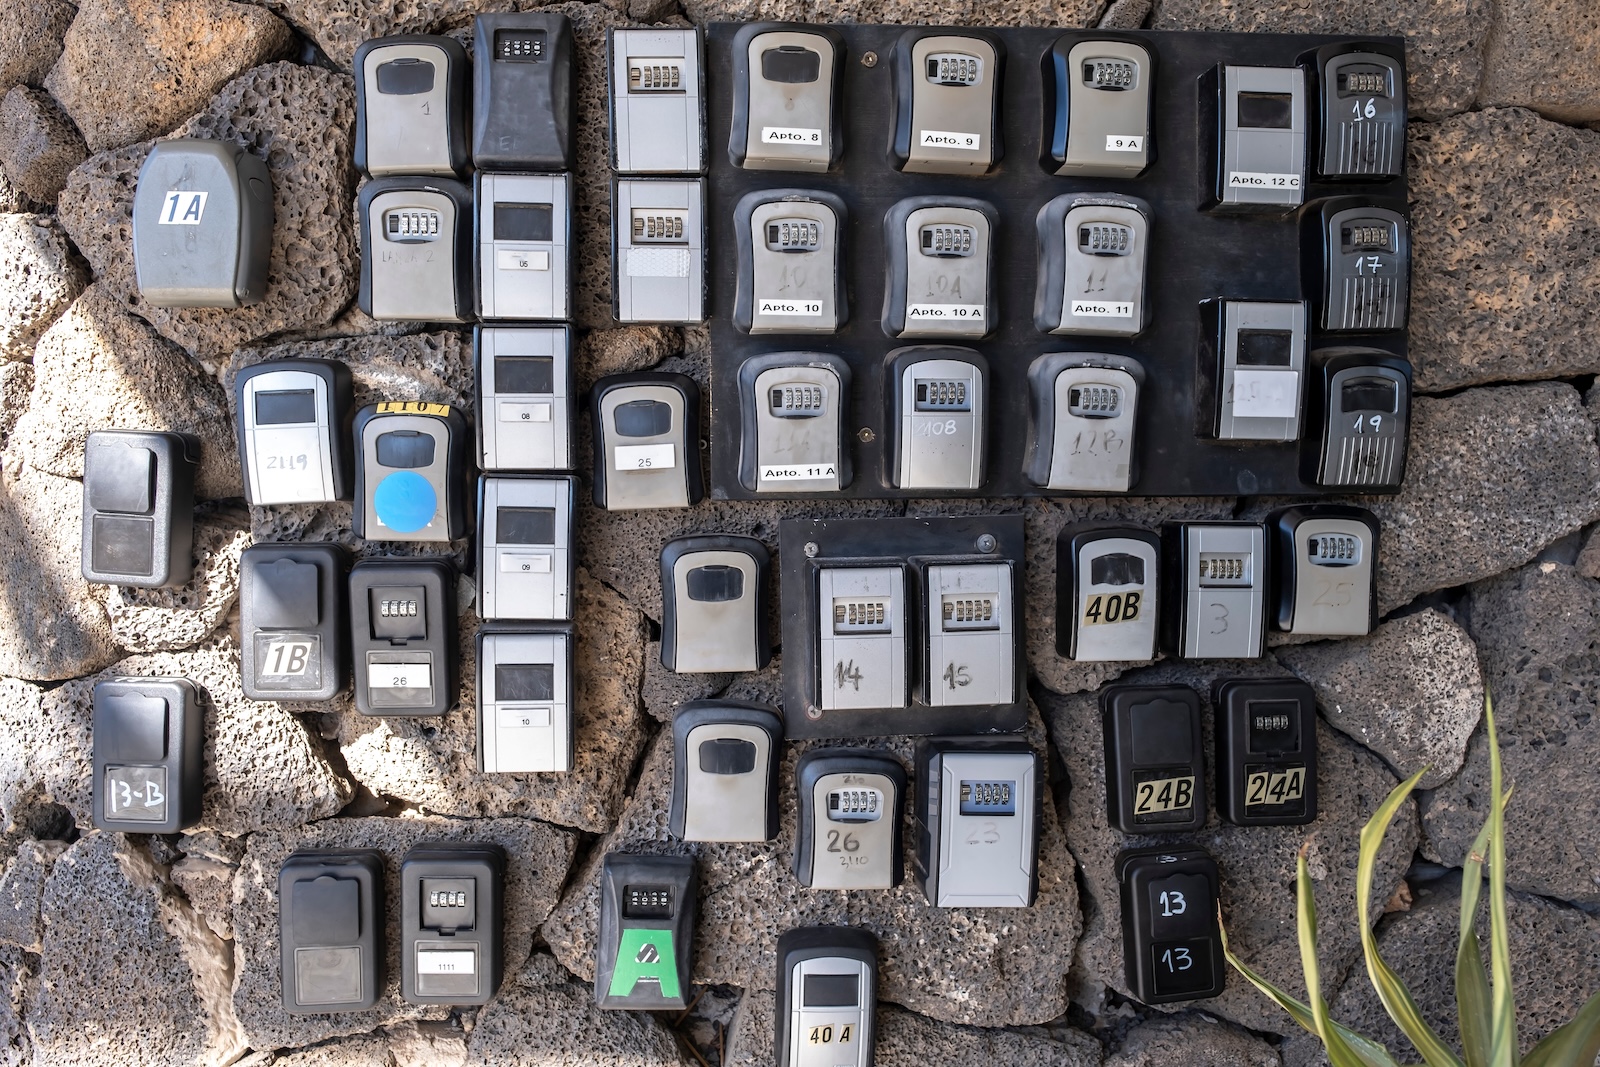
point(405, 502)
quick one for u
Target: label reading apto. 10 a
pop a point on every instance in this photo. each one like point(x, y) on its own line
point(945, 313)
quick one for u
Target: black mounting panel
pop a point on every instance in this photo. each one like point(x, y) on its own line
point(1195, 256)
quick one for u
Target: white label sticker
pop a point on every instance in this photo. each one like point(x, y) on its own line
point(522, 718)
point(966, 142)
point(1104, 309)
point(1252, 179)
point(798, 472)
point(945, 312)
point(646, 457)
point(525, 563)
point(1266, 394)
point(524, 412)
point(447, 962)
point(515, 259)
point(658, 263)
point(1124, 143)
point(183, 208)
point(399, 676)
point(769, 306)
point(790, 135)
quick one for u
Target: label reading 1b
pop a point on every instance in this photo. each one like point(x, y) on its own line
point(966, 142)
point(808, 308)
point(790, 135)
point(288, 657)
point(944, 312)
point(1252, 179)
point(1107, 309)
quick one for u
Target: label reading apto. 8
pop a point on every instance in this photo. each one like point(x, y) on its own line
point(790, 135)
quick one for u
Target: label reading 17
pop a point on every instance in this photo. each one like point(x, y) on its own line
point(1163, 795)
point(1112, 607)
point(1268, 788)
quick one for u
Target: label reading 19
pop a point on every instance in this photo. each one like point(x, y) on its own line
point(183, 208)
point(825, 1035)
point(1267, 788)
point(1112, 607)
point(790, 135)
point(1164, 794)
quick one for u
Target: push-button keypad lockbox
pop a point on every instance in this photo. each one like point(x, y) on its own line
point(1365, 264)
point(946, 99)
point(411, 461)
point(294, 621)
point(403, 636)
point(794, 408)
point(525, 700)
point(1362, 85)
point(940, 417)
point(1172, 949)
point(1326, 558)
point(849, 808)
point(138, 507)
point(725, 758)
point(411, 106)
point(1155, 777)
point(331, 930)
point(1266, 751)
point(1098, 96)
point(646, 430)
point(827, 997)
point(523, 104)
point(978, 810)
point(202, 225)
point(648, 906)
point(525, 549)
point(1108, 593)
point(939, 258)
point(525, 398)
point(791, 262)
point(149, 769)
point(714, 604)
point(1256, 159)
point(451, 916)
point(786, 101)
point(657, 101)
point(1083, 421)
point(1360, 407)
point(1216, 586)
point(524, 238)
point(1092, 264)
point(293, 422)
point(416, 249)
point(658, 250)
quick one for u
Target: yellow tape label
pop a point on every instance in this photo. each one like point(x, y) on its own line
point(413, 407)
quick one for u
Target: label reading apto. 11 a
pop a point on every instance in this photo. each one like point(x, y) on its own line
point(799, 472)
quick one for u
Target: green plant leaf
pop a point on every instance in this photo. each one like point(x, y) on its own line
point(1472, 983)
point(1573, 1045)
point(1369, 1052)
point(1340, 1053)
point(1503, 1032)
point(1392, 991)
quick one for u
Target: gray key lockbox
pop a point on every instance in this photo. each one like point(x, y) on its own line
point(416, 249)
point(1252, 363)
point(849, 834)
point(658, 250)
point(657, 101)
point(714, 604)
point(525, 563)
point(525, 400)
point(646, 430)
point(149, 761)
point(939, 259)
point(1259, 152)
point(331, 930)
point(791, 262)
point(938, 416)
point(864, 626)
point(793, 408)
point(978, 807)
point(411, 106)
point(523, 104)
point(946, 102)
point(1326, 559)
point(786, 98)
point(1092, 262)
point(1366, 264)
point(202, 225)
point(1107, 593)
point(827, 998)
point(525, 700)
point(972, 633)
point(1083, 421)
point(524, 238)
point(725, 759)
point(138, 507)
point(1098, 96)
point(1216, 578)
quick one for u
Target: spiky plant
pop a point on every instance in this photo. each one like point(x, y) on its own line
point(1486, 1012)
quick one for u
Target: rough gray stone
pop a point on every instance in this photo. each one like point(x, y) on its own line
point(1543, 54)
point(905, 1039)
point(625, 349)
point(572, 1032)
point(1257, 863)
point(1494, 475)
point(12, 199)
point(435, 367)
point(1411, 691)
point(30, 40)
point(18, 975)
point(898, 12)
point(22, 889)
point(205, 875)
point(51, 624)
point(1588, 561)
point(1192, 1040)
point(988, 967)
point(1555, 967)
point(1538, 633)
point(1503, 209)
point(169, 57)
point(119, 942)
point(157, 620)
point(1444, 38)
point(1126, 14)
point(300, 120)
point(39, 145)
point(537, 858)
point(428, 1045)
point(39, 277)
point(100, 368)
point(663, 692)
point(365, 1050)
point(16, 383)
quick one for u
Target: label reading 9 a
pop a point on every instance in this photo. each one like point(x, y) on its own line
point(1161, 796)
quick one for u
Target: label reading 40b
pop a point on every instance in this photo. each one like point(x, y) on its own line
point(1112, 607)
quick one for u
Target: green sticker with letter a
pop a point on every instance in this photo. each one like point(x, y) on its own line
point(645, 954)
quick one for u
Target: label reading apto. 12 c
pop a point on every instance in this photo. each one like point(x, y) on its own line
point(790, 135)
point(1251, 179)
point(966, 142)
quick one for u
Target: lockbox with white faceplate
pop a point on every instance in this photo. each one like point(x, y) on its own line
point(939, 257)
point(524, 699)
point(523, 239)
point(977, 811)
point(293, 421)
point(657, 101)
point(658, 250)
point(1108, 593)
point(525, 549)
point(902, 626)
point(827, 1000)
point(849, 803)
point(412, 106)
point(525, 399)
point(416, 249)
point(725, 757)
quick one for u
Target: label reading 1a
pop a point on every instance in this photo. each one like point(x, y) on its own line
point(966, 142)
point(1112, 607)
point(1163, 794)
point(790, 135)
point(798, 472)
point(1106, 309)
point(183, 208)
point(1266, 788)
point(1253, 179)
point(399, 676)
point(1124, 143)
point(769, 306)
point(645, 457)
point(945, 312)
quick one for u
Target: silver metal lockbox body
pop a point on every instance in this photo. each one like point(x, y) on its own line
point(793, 408)
point(1083, 409)
point(861, 647)
point(946, 102)
point(849, 810)
point(725, 758)
point(524, 224)
point(525, 700)
point(939, 261)
point(416, 249)
point(1326, 558)
point(658, 250)
point(972, 628)
point(646, 429)
point(524, 377)
point(977, 812)
point(786, 98)
point(411, 106)
point(657, 101)
point(791, 262)
point(1093, 250)
point(525, 548)
point(714, 604)
point(1098, 98)
point(293, 421)
point(938, 399)
point(1261, 140)
point(1260, 358)
point(1107, 593)
point(827, 998)
point(1221, 573)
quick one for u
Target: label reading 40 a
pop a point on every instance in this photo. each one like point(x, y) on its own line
point(827, 1035)
point(1269, 788)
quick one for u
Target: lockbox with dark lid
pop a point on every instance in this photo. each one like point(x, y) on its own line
point(725, 758)
point(451, 919)
point(646, 429)
point(1155, 780)
point(148, 736)
point(138, 507)
point(714, 604)
point(294, 621)
point(416, 249)
point(849, 803)
point(403, 636)
point(648, 907)
point(202, 225)
point(1359, 412)
point(411, 106)
point(1325, 564)
point(1266, 751)
point(331, 930)
point(411, 472)
point(1172, 949)
point(523, 104)
point(292, 417)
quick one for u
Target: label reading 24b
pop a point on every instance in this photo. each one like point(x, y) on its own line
point(790, 135)
point(966, 142)
point(1253, 179)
